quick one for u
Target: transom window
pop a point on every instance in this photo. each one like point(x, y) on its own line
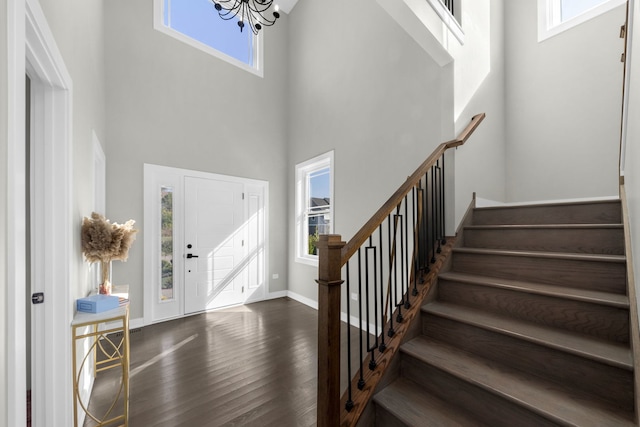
point(197, 23)
point(314, 205)
point(557, 16)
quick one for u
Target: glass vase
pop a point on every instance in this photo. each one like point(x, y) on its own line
point(105, 284)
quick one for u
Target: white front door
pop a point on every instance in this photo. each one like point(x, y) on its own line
point(214, 244)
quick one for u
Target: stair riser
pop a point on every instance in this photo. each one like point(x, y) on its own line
point(488, 408)
point(608, 241)
point(600, 321)
point(385, 419)
point(606, 382)
point(593, 275)
point(594, 213)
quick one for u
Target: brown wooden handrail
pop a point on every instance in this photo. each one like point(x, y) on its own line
point(333, 255)
point(363, 234)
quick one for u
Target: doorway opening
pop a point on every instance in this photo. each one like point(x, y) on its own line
point(45, 249)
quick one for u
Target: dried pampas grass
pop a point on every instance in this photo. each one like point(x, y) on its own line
point(103, 241)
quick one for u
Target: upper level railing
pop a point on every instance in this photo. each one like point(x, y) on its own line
point(381, 267)
point(449, 5)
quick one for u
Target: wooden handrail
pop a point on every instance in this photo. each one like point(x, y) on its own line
point(363, 234)
point(333, 255)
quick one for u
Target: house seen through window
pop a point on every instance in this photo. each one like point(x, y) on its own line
point(197, 23)
point(314, 205)
point(319, 206)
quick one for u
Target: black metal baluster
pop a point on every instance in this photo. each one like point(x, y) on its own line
point(361, 382)
point(372, 348)
point(425, 222)
point(399, 303)
point(391, 332)
point(349, 405)
point(415, 259)
point(444, 239)
point(449, 4)
point(383, 346)
point(439, 204)
point(433, 215)
point(405, 255)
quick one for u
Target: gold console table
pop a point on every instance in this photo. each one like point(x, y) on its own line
point(106, 348)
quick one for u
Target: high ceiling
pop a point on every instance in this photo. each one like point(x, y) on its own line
point(286, 5)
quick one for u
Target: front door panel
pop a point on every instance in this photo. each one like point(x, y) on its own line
point(214, 244)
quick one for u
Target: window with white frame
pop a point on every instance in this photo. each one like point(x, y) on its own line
point(556, 16)
point(314, 205)
point(197, 23)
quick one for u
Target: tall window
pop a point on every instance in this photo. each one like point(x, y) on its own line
point(556, 16)
point(197, 23)
point(166, 242)
point(314, 205)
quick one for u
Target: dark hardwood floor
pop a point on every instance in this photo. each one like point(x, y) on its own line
point(252, 365)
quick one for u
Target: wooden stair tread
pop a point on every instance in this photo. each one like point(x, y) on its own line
point(577, 294)
point(611, 353)
point(578, 212)
point(542, 226)
point(612, 201)
point(537, 395)
point(409, 403)
point(550, 255)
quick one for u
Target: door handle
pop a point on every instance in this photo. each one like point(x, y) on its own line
point(192, 256)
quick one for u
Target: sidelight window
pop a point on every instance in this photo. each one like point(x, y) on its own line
point(166, 242)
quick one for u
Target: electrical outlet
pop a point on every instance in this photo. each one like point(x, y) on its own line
point(275, 276)
point(354, 296)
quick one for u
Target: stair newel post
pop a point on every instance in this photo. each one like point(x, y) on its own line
point(329, 290)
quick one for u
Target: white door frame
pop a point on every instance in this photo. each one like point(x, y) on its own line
point(32, 48)
point(156, 176)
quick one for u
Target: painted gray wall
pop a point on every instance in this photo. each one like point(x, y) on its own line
point(480, 165)
point(632, 155)
point(563, 101)
point(364, 88)
point(173, 105)
point(78, 31)
point(4, 78)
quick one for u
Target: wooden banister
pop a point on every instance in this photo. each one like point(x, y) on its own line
point(334, 254)
point(363, 234)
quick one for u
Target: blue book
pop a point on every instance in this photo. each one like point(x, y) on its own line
point(97, 303)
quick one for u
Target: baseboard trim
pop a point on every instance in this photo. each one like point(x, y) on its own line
point(276, 294)
point(302, 299)
point(136, 323)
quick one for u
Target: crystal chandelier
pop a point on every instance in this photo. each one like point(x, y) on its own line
point(251, 11)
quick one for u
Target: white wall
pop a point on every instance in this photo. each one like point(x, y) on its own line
point(563, 101)
point(78, 30)
point(365, 88)
point(632, 163)
point(173, 105)
point(4, 78)
point(480, 165)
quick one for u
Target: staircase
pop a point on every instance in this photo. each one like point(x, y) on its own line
point(529, 327)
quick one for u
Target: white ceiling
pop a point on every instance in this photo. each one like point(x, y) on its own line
point(286, 5)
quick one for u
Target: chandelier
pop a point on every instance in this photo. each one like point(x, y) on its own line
point(251, 11)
